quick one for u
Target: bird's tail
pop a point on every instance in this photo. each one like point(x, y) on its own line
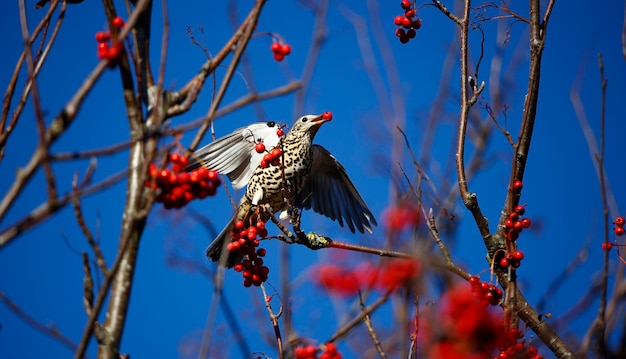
point(218, 251)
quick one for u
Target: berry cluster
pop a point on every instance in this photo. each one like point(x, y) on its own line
point(176, 188)
point(619, 226)
point(270, 158)
point(244, 242)
point(487, 294)
point(514, 224)
point(510, 348)
point(310, 352)
point(280, 50)
point(113, 51)
point(512, 259)
point(407, 23)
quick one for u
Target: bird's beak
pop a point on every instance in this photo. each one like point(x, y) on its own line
point(319, 119)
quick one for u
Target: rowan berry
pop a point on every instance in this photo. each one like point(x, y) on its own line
point(619, 231)
point(620, 221)
point(102, 36)
point(260, 147)
point(117, 22)
point(517, 185)
point(275, 47)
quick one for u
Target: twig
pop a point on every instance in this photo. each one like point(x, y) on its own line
point(46, 209)
point(5, 132)
point(274, 320)
point(48, 330)
point(319, 37)
point(87, 285)
point(345, 329)
point(251, 24)
point(601, 320)
point(78, 213)
point(62, 121)
point(370, 328)
point(41, 126)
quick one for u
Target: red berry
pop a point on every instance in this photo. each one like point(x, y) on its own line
point(405, 4)
point(260, 147)
point(417, 24)
point(118, 22)
point(606, 246)
point(263, 164)
point(398, 20)
point(406, 23)
point(278, 56)
point(239, 224)
point(620, 221)
point(102, 36)
point(518, 255)
point(504, 262)
point(103, 50)
point(327, 115)
point(276, 47)
point(114, 51)
point(517, 185)
point(276, 152)
point(512, 235)
point(520, 210)
point(474, 280)
point(619, 231)
point(404, 39)
point(285, 49)
point(261, 252)
point(280, 132)
point(400, 33)
point(409, 13)
point(411, 33)
point(508, 223)
point(175, 157)
point(525, 223)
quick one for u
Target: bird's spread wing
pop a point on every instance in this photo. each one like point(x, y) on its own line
point(330, 192)
point(234, 154)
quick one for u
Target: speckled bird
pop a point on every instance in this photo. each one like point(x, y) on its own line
point(312, 176)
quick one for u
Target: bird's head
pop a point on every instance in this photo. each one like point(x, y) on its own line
point(309, 124)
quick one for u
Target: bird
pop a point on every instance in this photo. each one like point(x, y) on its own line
point(305, 176)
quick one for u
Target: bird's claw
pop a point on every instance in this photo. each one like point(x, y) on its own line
point(314, 240)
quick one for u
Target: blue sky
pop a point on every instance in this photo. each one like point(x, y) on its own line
point(42, 272)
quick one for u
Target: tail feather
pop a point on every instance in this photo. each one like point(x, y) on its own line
point(218, 251)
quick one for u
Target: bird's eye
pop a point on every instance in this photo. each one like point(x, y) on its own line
point(304, 119)
point(271, 124)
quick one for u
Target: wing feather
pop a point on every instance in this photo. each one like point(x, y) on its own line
point(329, 191)
point(234, 155)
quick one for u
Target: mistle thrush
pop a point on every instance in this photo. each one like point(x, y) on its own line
point(307, 176)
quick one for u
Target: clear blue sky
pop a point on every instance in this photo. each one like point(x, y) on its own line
point(169, 306)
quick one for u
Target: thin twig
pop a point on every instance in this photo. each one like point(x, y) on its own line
point(49, 330)
point(239, 49)
point(370, 328)
point(601, 320)
point(274, 320)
